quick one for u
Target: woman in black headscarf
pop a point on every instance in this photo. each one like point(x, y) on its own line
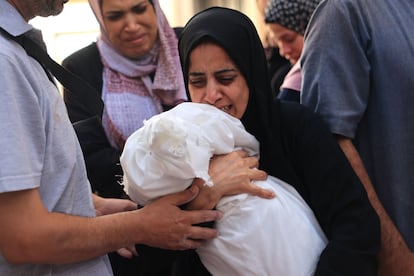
point(294, 144)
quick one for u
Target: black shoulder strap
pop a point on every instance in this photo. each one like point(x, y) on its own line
point(69, 80)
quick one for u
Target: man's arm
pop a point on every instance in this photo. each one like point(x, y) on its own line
point(32, 234)
point(394, 258)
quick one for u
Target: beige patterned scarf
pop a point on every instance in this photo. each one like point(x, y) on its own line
point(129, 94)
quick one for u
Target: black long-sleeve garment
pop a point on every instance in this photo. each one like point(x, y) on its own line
point(295, 146)
point(102, 160)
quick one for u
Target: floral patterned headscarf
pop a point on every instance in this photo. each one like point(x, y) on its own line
point(291, 14)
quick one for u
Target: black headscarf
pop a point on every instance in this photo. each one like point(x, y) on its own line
point(237, 35)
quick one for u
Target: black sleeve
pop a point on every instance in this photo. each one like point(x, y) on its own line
point(337, 197)
point(287, 94)
point(102, 160)
point(86, 64)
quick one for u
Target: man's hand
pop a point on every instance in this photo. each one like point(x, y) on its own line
point(163, 224)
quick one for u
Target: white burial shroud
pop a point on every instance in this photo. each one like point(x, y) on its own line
point(257, 236)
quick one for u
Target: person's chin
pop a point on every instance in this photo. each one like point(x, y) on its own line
point(293, 60)
point(135, 53)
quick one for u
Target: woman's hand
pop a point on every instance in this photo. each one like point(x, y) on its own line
point(106, 206)
point(128, 252)
point(231, 174)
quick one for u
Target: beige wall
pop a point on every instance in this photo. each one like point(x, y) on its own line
point(76, 26)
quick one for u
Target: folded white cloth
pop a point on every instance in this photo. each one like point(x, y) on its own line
point(258, 236)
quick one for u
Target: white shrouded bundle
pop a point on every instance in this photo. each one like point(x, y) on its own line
point(278, 236)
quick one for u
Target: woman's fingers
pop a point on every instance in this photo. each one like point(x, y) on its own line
point(260, 192)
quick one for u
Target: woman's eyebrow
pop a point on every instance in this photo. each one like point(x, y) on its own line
point(226, 70)
point(221, 71)
point(196, 74)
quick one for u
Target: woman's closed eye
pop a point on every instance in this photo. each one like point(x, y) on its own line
point(221, 79)
point(226, 79)
point(197, 82)
point(140, 9)
point(114, 16)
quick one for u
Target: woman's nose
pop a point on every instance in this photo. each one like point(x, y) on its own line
point(284, 50)
point(213, 93)
point(131, 24)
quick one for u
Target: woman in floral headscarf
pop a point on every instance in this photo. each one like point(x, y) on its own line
point(135, 70)
point(287, 21)
point(134, 67)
